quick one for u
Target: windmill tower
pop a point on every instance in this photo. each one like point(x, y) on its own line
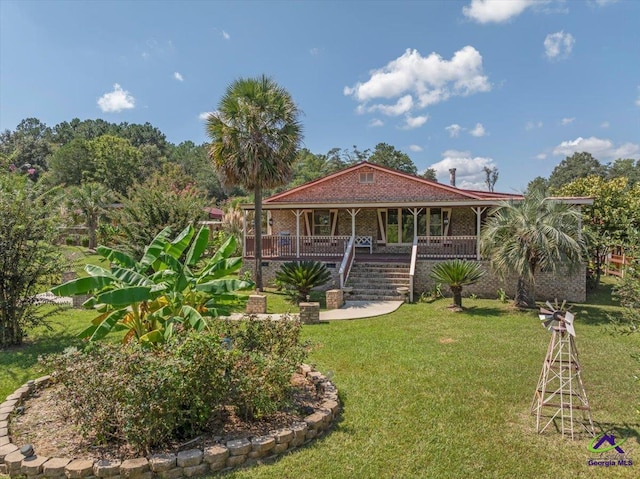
point(560, 397)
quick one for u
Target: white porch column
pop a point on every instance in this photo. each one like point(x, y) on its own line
point(298, 214)
point(415, 212)
point(478, 211)
point(353, 212)
point(244, 233)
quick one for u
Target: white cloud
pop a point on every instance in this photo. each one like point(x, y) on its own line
point(415, 148)
point(469, 169)
point(178, 76)
point(478, 130)
point(498, 11)
point(403, 105)
point(638, 100)
point(530, 125)
point(541, 156)
point(225, 35)
point(603, 3)
point(375, 122)
point(116, 100)
point(411, 122)
point(558, 45)
point(454, 130)
point(316, 51)
point(605, 124)
point(598, 147)
point(567, 121)
point(415, 82)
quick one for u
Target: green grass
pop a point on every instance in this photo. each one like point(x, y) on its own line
point(76, 257)
point(431, 393)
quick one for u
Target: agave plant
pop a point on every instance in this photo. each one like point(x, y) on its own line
point(302, 276)
point(457, 273)
point(166, 290)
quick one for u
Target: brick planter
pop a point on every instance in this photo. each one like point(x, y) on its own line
point(224, 456)
point(257, 304)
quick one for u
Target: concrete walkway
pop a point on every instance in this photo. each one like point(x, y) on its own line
point(351, 310)
point(360, 309)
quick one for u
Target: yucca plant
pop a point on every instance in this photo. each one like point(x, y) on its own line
point(302, 276)
point(169, 288)
point(457, 273)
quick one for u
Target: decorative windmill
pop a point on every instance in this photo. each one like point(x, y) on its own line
point(560, 396)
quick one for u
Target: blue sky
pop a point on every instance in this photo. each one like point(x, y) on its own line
point(514, 84)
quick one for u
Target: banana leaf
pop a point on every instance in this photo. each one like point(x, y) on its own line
point(126, 296)
point(198, 246)
point(178, 245)
point(221, 286)
point(131, 277)
point(117, 257)
point(155, 248)
point(194, 318)
point(226, 250)
point(82, 285)
point(103, 327)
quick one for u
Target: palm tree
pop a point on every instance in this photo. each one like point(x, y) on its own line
point(536, 233)
point(255, 135)
point(92, 200)
point(457, 273)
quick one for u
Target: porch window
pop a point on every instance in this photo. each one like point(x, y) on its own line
point(435, 222)
point(399, 223)
point(321, 223)
point(407, 226)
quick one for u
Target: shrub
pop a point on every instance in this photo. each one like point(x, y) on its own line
point(302, 276)
point(147, 397)
point(28, 260)
point(457, 273)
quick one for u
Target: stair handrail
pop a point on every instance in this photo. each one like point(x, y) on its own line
point(347, 262)
point(412, 267)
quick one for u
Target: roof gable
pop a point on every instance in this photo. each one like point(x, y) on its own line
point(388, 185)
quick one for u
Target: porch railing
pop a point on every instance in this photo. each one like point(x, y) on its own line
point(286, 246)
point(347, 261)
point(439, 247)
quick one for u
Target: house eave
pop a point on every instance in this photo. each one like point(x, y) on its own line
point(370, 204)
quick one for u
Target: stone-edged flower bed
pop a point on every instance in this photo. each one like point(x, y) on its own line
point(224, 456)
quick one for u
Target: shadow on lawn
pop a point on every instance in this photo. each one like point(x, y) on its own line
point(26, 355)
point(622, 431)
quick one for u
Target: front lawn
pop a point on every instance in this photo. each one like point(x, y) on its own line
point(431, 393)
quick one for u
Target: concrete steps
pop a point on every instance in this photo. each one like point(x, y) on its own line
point(377, 281)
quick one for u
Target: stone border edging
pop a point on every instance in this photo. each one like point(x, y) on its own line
point(225, 456)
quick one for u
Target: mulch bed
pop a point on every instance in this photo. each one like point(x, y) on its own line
point(47, 424)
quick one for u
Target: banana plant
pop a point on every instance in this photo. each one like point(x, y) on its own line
point(168, 289)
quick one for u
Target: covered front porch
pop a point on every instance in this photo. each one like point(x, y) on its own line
point(436, 231)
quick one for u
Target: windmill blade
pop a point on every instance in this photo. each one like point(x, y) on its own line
point(551, 324)
point(550, 306)
point(568, 322)
point(568, 317)
point(564, 302)
point(543, 317)
point(546, 312)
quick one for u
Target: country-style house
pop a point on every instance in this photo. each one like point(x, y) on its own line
point(380, 229)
